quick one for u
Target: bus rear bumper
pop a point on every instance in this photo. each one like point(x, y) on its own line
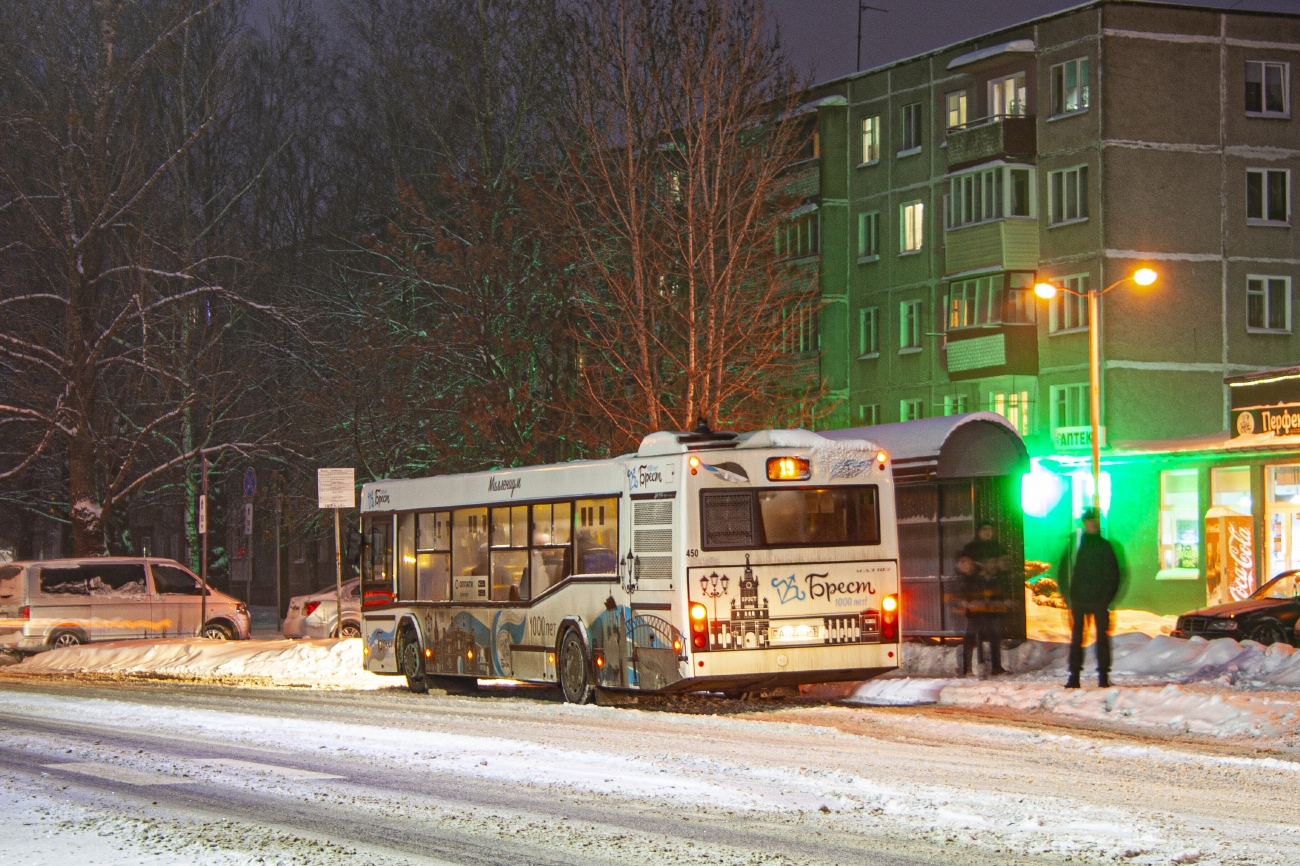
point(788, 666)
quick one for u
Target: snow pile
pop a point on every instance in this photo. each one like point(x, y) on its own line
point(905, 692)
point(1171, 707)
point(333, 664)
point(1053, 623)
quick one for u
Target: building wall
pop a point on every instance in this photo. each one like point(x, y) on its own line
point(1167, 144)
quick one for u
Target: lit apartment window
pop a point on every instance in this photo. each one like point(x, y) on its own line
point(912, 232)
point(1266, 88)
point(1013, 406)
point(911, 410)
point(956, 109)
point(1268, 304)
point(868, 345)
point(1070, 86)
point(954, 404)
point(911, 127)
point(1268, 195)
point(909, 325)
point(868, 235)
point(869, 414)
point(1068, 194)
point(1007, 96)
point(1070, 405)
point(870, 139)
point(989, 194)
point(1069, 312)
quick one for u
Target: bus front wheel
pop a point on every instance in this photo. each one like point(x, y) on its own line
point(574, 680)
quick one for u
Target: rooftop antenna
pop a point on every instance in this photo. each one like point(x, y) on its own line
point(863, 7)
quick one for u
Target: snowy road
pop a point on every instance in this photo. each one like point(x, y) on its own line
point(172, 773)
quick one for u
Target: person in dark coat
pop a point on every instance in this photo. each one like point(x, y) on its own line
point(981, 565)
point(1090, 580)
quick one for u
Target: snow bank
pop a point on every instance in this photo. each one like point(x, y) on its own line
point(1053, 623)
point(331, 664)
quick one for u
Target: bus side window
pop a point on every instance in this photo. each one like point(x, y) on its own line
point(469, 554)
point(510, 554)
point(406, 557)
point(377, 555)
point(595, 526)
point(433, 556)
point(552, 534)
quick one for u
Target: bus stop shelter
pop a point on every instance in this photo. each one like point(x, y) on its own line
point(950, 474)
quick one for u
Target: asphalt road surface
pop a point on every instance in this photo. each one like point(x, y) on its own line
point(103, 772)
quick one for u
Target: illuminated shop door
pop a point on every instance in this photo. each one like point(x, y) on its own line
point(1283, 519)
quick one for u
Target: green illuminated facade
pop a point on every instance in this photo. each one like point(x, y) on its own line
point(1074, 148)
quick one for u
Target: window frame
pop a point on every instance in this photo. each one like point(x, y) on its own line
point(1061, 396)
point(1020, 99)
point(955, 404)
point(868, 236)
point(911, 222)
point(909, 325)
point(869, 409)
point(868, 333)
point(961, 106)
point(1058, 305)
point(1079, 173)
point(1263, 110)
point(1264, 174)
point(1265, 296)
point(870, 140)
point(913, 408)
point(1060, 90)
point(912, 129)
point(972, 190)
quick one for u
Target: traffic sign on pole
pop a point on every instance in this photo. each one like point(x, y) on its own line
point(250, 482)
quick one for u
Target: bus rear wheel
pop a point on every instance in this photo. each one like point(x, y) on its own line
point(412, 663)
point(574, 680)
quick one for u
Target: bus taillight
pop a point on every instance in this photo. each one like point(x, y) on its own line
point(699, 626)
point(27, 613)
point(889, 619)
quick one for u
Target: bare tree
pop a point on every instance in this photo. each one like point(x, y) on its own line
point(674, 185)
point(118, 276)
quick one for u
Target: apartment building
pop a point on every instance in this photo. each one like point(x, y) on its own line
point(1074, 148)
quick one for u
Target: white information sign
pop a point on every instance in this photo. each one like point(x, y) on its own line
point(336, 488)
point(248, 518)
point(203, 514)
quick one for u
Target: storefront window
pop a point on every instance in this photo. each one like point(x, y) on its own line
point(1180, 535)
point(1283, 518)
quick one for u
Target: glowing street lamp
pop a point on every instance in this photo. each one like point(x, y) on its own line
point(1047, 291)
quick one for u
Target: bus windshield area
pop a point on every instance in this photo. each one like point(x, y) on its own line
point(790, 517)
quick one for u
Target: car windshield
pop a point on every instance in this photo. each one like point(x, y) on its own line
point(1282, 586)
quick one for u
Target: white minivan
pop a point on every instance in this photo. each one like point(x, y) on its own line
point(65, 602)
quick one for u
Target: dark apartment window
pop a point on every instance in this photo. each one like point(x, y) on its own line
point(1070, 86)
point(909, 325)
point(1068, 194)
point(799, 329)
point(955, 404)
point(868, 344)
point(911, 410)
point(869, 235)
point(912, 127)
point(1268, 304)
point(1268, 195)
point(1069, 312)
point(989, 194)
point(800, 236)
point(1266, 88)
point(869, 414)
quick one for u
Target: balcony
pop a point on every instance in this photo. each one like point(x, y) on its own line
point(1010, 244)
point(989, 138)
point(991, 350)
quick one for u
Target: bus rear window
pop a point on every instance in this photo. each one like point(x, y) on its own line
point(789, 517)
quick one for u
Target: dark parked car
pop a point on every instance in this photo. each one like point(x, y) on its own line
point(1269, 615)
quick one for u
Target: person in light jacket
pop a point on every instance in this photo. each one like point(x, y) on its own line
point(1090, 579)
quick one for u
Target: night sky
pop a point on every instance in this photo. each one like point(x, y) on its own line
point(820, 36)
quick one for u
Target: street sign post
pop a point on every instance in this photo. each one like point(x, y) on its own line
point(203, 530)
point(337, 488)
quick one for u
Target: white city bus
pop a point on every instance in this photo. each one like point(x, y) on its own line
point(707, 561)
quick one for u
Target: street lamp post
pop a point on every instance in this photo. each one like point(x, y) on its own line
point(1045, 290)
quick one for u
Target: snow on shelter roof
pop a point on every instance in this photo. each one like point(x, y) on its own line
point(973, 444)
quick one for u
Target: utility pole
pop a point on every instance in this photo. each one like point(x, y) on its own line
point(203, 531)
point(279, 554)
point(863, 7)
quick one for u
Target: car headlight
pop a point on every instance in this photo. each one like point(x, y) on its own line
point(1223, 625)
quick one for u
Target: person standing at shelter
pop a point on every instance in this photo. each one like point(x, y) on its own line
point(1090, 580)
point(981, 564)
